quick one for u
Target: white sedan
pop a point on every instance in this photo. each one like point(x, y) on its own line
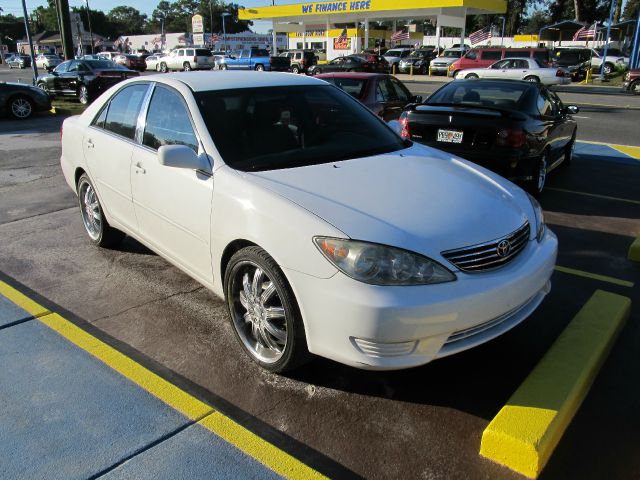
point(323, 229)
point(519, 69)
point(46, 60)
point(153, 62)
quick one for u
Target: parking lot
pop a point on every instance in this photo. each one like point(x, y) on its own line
point(425, 422)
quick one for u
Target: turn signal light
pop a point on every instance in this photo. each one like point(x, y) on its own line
point(511, 138)
point(404, 124)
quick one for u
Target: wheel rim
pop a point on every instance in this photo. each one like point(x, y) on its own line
point(607, 69)
point(259, 68)
point(258, 314)
point(84, 95)
point(21, 108)
point(295, 70)
point(636, 88)
point(532, 80)
point(90, 208)
point(187, 67)
point(542, 172)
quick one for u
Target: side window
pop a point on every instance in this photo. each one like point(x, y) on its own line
point(124, 109)
point(99, 120)
point(73, 67)
point(472, 55)
point(520, 64)
point(189, 52)
point(491, 54)
point(402, 93)
point(385, 92)
point(545, 107)
point(62, 67)
point(181, 53)
point(168, 122)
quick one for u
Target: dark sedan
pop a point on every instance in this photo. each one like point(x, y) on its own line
point(384, 94)
point(19, 61)
point(518, 129)
point(353, 63)
point(21, 101)
point(84, 79)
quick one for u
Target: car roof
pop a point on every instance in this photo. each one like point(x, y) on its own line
point(226, 80)
point(364, 75)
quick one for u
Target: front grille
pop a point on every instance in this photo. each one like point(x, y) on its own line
point(439, 64)
point(488, 255)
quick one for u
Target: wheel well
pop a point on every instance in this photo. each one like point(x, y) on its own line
point(77, 175)
point(18, 95)
point(232, 248)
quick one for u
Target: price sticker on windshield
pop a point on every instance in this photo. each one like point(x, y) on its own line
point(449, 136)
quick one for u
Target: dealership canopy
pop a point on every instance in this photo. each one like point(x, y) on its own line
point(444, 13)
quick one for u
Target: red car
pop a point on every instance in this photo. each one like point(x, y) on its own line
point(632, 81)
point(132, 62)
point(384, 94)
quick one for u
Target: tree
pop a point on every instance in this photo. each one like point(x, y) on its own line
point(631, 10)
point(126, 20)
point(45, 18)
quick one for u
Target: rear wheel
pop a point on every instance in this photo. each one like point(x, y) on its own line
point(295, 69)
point(315, 71)
point(608, 68)
point(20, 107)
point(83, 95)
point(223, 67)
point(263, 311)
point(259, 68)
point(471, 76)
point(96, 225)
point(163, 67)
point(186, 67)
point(635, 87)
point(535, 186)
point(532, 79)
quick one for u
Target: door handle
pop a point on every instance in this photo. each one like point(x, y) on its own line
point(141, 169)
point(90, 144)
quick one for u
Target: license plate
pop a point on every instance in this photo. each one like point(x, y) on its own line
point(449, 136)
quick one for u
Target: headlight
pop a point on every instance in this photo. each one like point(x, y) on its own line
point(381, 265)
point(537, 209)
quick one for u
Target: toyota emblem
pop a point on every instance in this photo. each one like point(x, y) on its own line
point(503, 248)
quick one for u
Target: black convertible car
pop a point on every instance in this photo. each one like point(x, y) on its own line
point(518, 129)
point(83, 79)
point(21, 101)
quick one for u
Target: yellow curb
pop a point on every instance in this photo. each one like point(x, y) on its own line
point(266, 453)
point(594, 276)
point(634, 251)
point(527, 429)
point(53, 110)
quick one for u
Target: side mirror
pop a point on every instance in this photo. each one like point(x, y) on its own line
point(416, 99)
point(181, 156)
point(395, 126)
point(571, 109)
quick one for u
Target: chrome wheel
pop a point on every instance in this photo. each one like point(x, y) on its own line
point(187, 67)
point(90, 208)
point(635, 87)
point(83, 95)
point(257, 311)
point(21, 108)
point(542, 171)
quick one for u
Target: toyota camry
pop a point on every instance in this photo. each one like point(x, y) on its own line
point(325, 232)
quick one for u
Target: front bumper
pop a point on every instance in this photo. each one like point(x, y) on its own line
point(386, 328)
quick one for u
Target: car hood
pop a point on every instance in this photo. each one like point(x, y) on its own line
point(419, 199)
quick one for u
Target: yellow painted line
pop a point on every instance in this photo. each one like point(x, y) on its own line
point(594, 276)
point(527, 429)
point(194, 409)
point(633, 152)
point(594, 195)
point(22, 300)
point(634, 251)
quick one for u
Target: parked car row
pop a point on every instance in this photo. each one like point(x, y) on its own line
point(528, 69)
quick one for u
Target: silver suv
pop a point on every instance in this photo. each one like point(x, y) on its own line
point(187, 59)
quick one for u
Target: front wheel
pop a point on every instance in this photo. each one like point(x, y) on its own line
point(264, 313)
point(608, 68)
point(96, 225)
point(186, 67)
point(315, 72)
point(635, 87)
point(471, 76)
point(295, 70)
point(223, 67)
point(532, 79)
point(163, 67)
point(20, 107)
point(259, 68)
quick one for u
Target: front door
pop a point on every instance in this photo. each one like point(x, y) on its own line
point(108, 146)
point(172, 205)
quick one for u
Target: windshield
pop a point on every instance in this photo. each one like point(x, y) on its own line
point(285, 127)
point(452, 53)
point(418, 54)
point(98, 64)
point(477, 93)
point(393, 53)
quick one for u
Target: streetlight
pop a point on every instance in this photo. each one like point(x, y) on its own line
point(224, 31)
point(502, 34)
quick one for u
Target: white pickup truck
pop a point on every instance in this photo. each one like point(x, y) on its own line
point(615, 58)
point(187, 59)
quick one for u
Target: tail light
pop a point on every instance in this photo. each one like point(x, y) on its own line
point(302, 62)
point(404, 125)
point(559, 73)
point(511, 138)
point(195, 59)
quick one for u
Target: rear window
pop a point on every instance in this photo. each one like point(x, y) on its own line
point(491, 54)
point(259, 52)
point(482, 94)
point(203, 52)
point(353, 86)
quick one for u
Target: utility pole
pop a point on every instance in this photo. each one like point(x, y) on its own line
point(606, 45)
point(59, 24)
point(65, 23)
point(90, 29)
point(28, 32)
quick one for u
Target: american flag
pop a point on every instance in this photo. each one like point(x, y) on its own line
point(400, 35)
point(586, 34)
point(343, 36)
point(481, 35)
point(214, 37)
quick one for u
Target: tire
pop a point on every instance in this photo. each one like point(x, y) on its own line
point(186, 67)
point(532, 79)
point(569, 151)
point(163, 67)
point(423, 70)
point(42, 86)
point(276, 343)
point(295, 70)
point(471, 76)
point(536, 185)
point(608, 68)
point(223, 67)
point(95, 224)
point(83, 95)
point(635, 87)
point(315, 72)
point(20, 107)
point(259, 68)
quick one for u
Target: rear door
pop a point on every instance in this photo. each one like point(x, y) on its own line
point(108, 146)
point(172, 205)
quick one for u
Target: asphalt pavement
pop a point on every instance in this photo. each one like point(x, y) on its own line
point(420, 423)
